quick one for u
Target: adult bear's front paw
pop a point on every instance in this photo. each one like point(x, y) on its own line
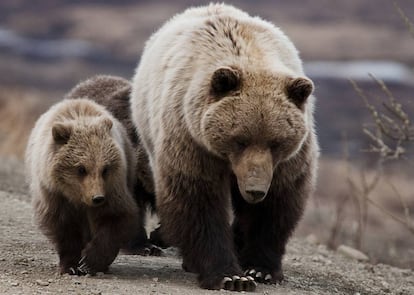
point(229, 282)
point(263, 275)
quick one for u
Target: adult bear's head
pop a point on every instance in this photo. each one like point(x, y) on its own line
point(255, 120)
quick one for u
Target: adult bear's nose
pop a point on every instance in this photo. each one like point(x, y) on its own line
point(98, 200)
point(257, 195)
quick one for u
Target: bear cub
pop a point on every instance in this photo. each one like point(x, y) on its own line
point(80, 168)
point(113, 93)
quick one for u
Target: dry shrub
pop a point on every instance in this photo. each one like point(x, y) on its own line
point(372, 206)
point(333, 210)
point(19, 110)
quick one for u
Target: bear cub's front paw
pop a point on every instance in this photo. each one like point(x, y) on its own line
point(81, 269)
point(263, 275)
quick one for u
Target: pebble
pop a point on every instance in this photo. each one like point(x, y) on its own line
point(24, 272)
point(312, 239)
point(352, 253)
point(386, 287)
point(14, 284)
point(42, 283)
point(155, 279)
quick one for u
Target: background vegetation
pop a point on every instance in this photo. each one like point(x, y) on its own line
point(364, 197)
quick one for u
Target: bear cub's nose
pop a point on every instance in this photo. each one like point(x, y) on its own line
point(98, 200)
point(257, 195)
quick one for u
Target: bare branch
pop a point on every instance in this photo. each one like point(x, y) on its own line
point(408, 23)
point(392, 126)
point(408, 224)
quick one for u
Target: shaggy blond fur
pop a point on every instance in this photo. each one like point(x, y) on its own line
point(79, 154)
point(225, 113)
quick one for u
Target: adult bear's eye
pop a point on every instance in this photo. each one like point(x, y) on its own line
point(82, 171)
point(105, 171)
point(274, 144)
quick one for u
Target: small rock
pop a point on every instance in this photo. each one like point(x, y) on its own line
point(312, 239)
point(96, 292)
point(352, 253)
point(322, 249)
point(407, 272)
point(42, 283)
point(386, 286)
point(369, 268)
point(316, 259)
point(24, 272)
point(155, 279)
point(14, 284)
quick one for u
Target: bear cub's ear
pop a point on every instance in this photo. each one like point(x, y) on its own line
point(224, 80)
point(61, 132)
point(298, 90)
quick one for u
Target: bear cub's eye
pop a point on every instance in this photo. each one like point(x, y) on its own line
point(241, 142)
point(82, 171)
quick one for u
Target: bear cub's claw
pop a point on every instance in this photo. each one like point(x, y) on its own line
point(81, 269)
point(237, 283)
point(265, 276)
point(146, 250)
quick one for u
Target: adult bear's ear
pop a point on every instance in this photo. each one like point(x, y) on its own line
point(225, 80)
point(61, 132)
point(298, 90)
point(107, 123)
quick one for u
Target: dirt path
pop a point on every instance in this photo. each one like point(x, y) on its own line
point(28, 263)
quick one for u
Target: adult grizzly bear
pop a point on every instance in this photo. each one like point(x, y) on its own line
point(113, 93)
point(80, 165)
point(224, 111)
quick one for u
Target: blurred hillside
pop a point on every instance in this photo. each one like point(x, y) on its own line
point(51, 45)
point(47, 46)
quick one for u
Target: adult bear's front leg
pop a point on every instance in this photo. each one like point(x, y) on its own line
point(194, 213)
point(262, 230)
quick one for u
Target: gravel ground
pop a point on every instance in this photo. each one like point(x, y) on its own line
point(28, 262)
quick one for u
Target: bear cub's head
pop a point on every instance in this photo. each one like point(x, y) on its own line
point(87, 160)
point(255, 120)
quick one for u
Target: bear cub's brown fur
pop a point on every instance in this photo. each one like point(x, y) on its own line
point(80, 166)
point(113, 93)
